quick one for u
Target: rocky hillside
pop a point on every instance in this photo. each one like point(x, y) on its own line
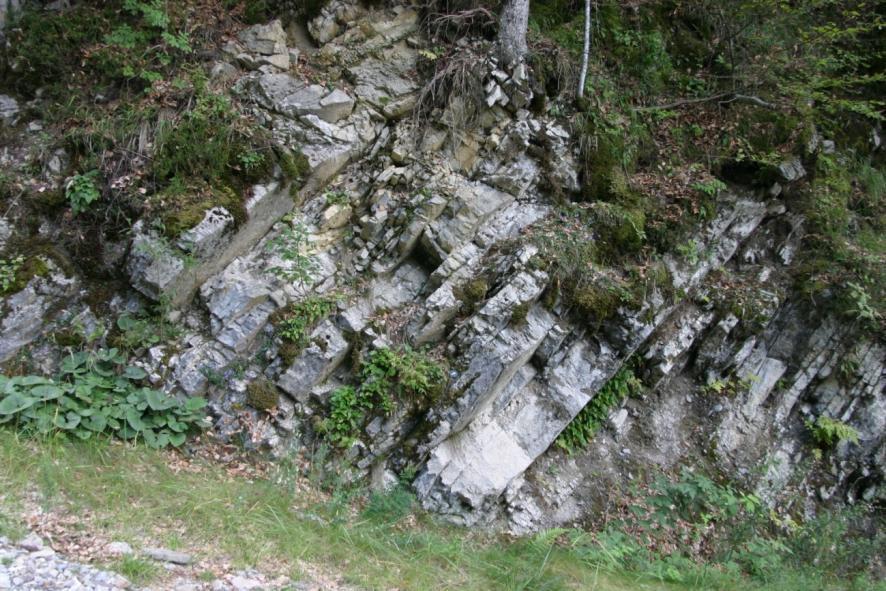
point(409, 269)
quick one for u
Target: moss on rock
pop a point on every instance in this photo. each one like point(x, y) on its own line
point(473, 292)
point(262, 394)
point(21, 275)
point(183, 207)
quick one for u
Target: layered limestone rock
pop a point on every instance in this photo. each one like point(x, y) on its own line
point(401, 215)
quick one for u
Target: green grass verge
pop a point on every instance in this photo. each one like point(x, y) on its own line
point(132, 491)
point(381, 543)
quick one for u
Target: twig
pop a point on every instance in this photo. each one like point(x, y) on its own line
point(728, 97)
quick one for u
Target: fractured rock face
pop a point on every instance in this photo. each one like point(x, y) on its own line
point(269, 39)
point(25, 314)
point(290, 96)
point(431, 247)
point(327, 350)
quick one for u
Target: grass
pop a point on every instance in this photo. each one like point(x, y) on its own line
point(137, 570)
point(131, 490)
point(283, 524)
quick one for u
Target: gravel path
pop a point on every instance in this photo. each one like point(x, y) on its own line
point(30, 566)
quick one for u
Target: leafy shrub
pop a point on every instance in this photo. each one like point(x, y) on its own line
point(145, 46)
point(336, 198)
point(97, 393)
point(695, 530)
point(387, 375)
point(141, 331)
point(695, 498)
point(82, 191)
point(828, 432)
point(728, 387)
point(347, 413)
point(710, 188)
point(581, 430)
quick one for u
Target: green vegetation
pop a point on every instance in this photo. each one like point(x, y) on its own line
point(264, 521)
point(137, 570)
point(290, 246)
point(729, 387)
point(473, 292)
point(519, 312)
point(579, 249)
point(581, 430)
point(681, 93)
point(703, 534)
point(828, 432)
point(383, 541)
point(843, 250)
point(209, 141)
point(294, 323)
point(387, 376)
point(95, 394)
point(17, 271)
point(123, 86)
point(9, 268)
point(82, 191)
point(336, 198)
point(141, 331)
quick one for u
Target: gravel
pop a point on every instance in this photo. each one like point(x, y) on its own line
point(30, 566)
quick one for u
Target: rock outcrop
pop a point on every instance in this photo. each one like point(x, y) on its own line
point(401, 214)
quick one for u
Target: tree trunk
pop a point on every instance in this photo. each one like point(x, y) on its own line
point(587, 51)
point(512, 25)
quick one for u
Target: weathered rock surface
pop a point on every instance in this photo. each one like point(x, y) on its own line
point(417, 211)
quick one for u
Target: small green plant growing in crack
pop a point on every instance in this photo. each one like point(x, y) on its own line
point(828, 432)
point(294, 323)
point(290, 245)
point(584, 426)
point(251, 161)
point(336, 198)
point(690, 251)
point(82, 191)
point(710, 188)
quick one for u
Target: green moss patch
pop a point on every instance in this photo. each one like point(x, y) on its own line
point(17, 272)
point(262, 394)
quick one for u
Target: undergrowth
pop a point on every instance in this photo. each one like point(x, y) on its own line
point(95, 394)
point(683, 533)
point(386, 377)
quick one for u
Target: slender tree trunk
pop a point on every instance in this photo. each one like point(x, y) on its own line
point(587, 51)
point(512, 25)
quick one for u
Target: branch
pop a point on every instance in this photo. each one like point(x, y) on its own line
point(728, 97)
